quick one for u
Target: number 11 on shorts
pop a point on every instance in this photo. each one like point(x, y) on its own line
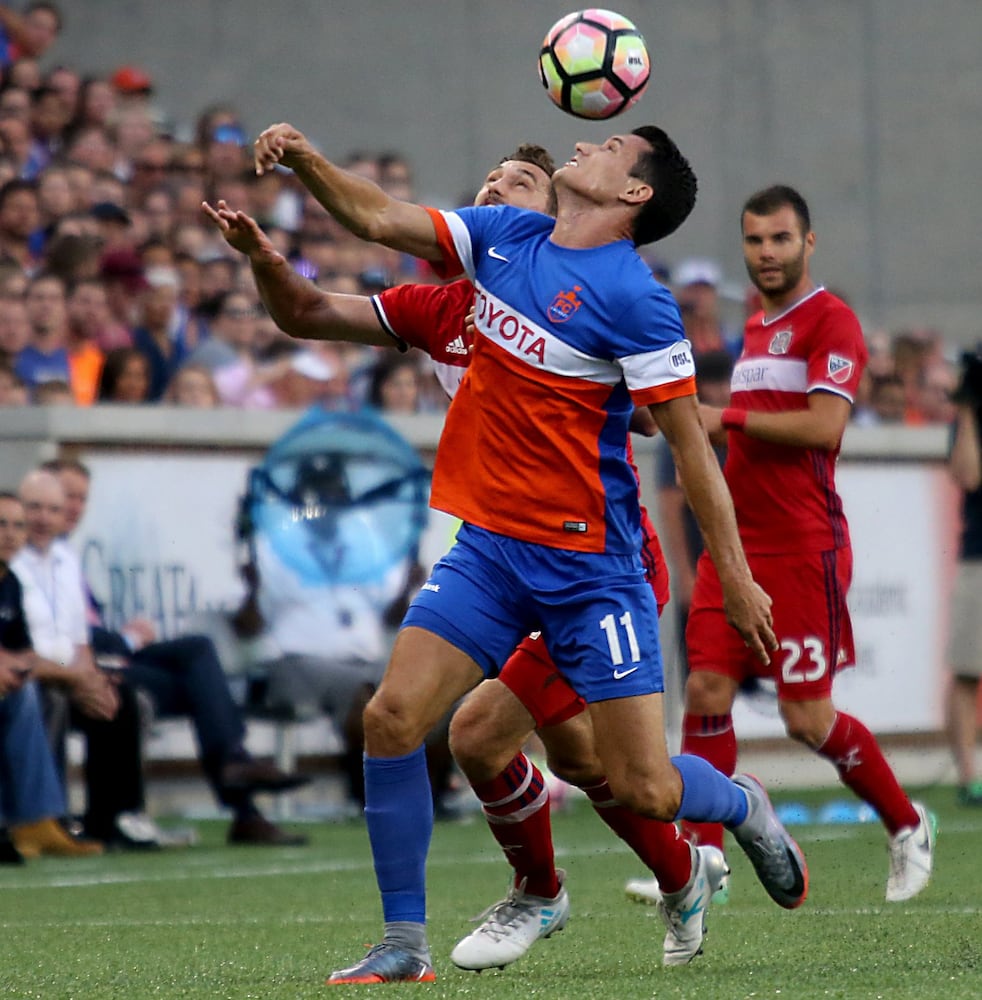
point(609, 624)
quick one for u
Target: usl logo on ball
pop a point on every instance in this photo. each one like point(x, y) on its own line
point(594, 64)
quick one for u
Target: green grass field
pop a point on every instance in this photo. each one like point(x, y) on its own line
point(219, 922)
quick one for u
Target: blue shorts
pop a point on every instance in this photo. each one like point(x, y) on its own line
point(597, 612)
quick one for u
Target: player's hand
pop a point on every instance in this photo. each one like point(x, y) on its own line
point(280, 143)
point(470, 329)
point(712, 420)
point(748, 610)
point(242, 233)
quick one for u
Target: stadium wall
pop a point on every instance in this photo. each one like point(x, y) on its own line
point(158, 538)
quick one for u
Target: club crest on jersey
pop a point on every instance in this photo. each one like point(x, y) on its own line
point(780, 342)
point(564, 305)
point(840, 369)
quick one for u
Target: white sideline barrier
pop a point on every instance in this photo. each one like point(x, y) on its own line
point(158, 537)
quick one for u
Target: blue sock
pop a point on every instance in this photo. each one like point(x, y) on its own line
point(399, 814)
point(708, 796)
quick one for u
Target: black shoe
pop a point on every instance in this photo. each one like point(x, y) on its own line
point(258, 830)
point(9, 855)
point(259, 776)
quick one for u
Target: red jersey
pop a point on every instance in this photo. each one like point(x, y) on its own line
point(784, 495)
point(431, 318)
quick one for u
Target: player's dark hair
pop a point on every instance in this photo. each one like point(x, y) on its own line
point(772, 199)
point(673, 182)
point(538, 156)
point(7, 495)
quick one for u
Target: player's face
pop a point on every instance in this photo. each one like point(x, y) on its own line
point(603, 173)
point(514, 182)
point(776, 252)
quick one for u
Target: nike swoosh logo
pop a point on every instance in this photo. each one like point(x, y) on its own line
point(621, 674)
point(492, 252)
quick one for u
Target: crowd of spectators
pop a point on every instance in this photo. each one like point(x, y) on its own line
point(911, 373)
point(113, 286)
point(114, 289)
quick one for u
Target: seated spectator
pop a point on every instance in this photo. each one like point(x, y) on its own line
point(32, 800)
point(123, 275)
point(96, 104)
point(395, 384)
point(935, 387)
point(13, 391)
point(29, 33)
point(160, 335)
point(75, 690)
point(20, 217)
point(15, 329)
point(696, 282)
point(194, 387)
point(184, 677)
point(46, 355)
point(125, 377)
point(88, 316)
point(887, 400)
point(53, 393)
point(308, 639)
point(287, 379)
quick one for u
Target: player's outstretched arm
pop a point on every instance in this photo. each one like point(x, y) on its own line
point(297, 306)
point(748, 608)
point(361, 206)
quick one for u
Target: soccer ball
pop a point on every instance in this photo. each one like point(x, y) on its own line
point(594, 64)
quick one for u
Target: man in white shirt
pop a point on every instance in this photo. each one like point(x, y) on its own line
point(75, 688)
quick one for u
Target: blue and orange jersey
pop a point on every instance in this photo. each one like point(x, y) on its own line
point(568, 342)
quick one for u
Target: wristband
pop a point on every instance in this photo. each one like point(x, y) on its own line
point(733, 419)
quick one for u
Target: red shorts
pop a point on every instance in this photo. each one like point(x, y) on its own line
point(811, 622)
point(532, 677)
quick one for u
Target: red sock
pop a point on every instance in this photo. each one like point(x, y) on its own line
point(659, 845)
point(857, 757)
point(516, 806)
point(712, 738)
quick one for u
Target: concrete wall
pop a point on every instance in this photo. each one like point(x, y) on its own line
point(872, 107)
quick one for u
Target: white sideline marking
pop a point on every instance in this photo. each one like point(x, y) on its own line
point(200, 863)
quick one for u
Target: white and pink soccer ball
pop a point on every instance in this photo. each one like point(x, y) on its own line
point(594, 63)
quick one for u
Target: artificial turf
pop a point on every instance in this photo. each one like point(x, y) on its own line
point(222, 922)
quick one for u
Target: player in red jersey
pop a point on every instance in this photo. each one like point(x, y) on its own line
point(792, 391)
point(491, 727)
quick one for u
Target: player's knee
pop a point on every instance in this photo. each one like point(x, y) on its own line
point(707, 693)
point(391, 727)
point(802, 728)
point(581, 771)
point(466, 735)
point(650, 797)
